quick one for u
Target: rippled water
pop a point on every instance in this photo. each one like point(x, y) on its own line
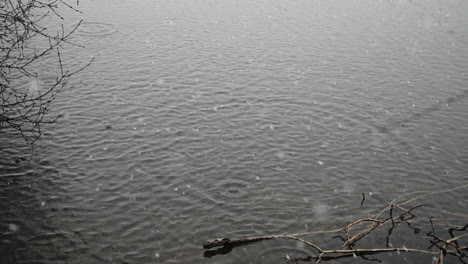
point(206, 119)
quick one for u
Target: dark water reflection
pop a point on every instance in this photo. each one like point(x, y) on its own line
point(218, 118)
point(30, 203)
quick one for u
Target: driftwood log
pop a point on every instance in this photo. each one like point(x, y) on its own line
point(219, 242)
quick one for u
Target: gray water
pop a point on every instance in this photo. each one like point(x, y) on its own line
point(206, 119)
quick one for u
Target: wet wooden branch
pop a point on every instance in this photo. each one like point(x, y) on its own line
point(391, 216)
point(221, 242)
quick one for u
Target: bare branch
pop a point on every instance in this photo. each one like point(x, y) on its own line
point(452, 244)
point(25, 110)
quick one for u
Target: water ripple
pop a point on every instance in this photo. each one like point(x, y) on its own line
point(95, 29)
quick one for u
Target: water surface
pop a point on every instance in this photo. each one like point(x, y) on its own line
point(206, 119)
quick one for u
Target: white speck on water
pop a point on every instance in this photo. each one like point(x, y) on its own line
point(105, 148)
point(131, 177)
point(258, 178)
point(97, 189)
point(215, 108)
point(354, 255)
point(288, 257)
point(370, 193)
point(188, 186)
point(320, 162)
point(320, 210)
point(13, 227)
point(176, 189)
point(42, 203)
point(405, 248)
point(340, 125)
point(90, 156)
point(272, 127)
point(157, 254)
point(281, 155)
point(348, 187)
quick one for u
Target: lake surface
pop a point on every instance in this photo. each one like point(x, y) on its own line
point(206, 119)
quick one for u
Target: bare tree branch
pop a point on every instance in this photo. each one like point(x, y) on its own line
point(453, 244)
point(23, 111)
